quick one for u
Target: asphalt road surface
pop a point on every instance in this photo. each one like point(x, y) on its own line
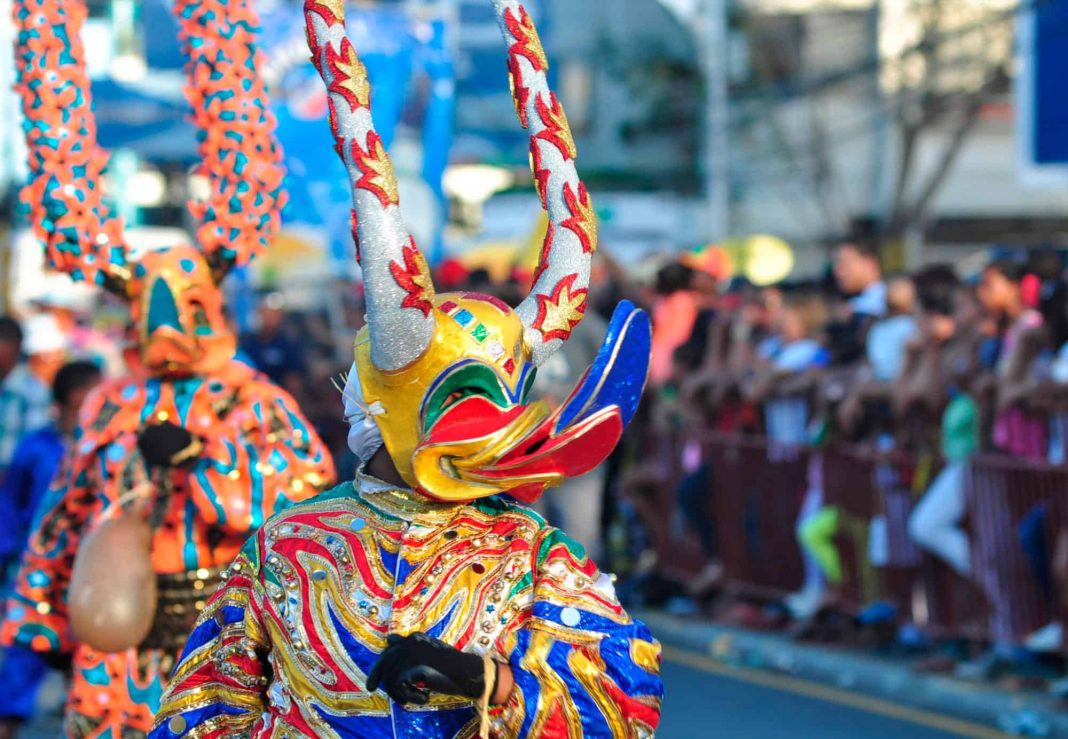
point(705, 700)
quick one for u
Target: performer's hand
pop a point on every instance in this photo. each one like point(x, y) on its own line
point(61, 661)
point(167, 445)
point(414, 666)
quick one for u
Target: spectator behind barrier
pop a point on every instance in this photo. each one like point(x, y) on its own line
point(945, 358)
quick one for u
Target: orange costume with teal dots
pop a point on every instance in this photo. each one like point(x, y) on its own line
point(435, 605)
point(200, 446)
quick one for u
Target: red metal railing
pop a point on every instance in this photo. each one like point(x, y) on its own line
point(1016, 510)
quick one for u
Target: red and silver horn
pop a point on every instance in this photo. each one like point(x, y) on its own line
point(558, 298)
point(398, 285)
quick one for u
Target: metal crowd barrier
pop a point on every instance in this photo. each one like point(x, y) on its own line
point(1016, 510)
point(755, 501)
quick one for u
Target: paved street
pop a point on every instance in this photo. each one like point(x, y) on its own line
point(707, 700)
point(704, 700)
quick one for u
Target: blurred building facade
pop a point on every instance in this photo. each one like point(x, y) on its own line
point(895, 116)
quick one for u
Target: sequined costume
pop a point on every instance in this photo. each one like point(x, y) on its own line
point(251, 452)
point(324, 596)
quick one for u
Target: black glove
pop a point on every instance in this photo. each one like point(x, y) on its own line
point(61, 661)
point(167, 445)
point(414, 666)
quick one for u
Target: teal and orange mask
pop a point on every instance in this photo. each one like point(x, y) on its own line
point(178, 314)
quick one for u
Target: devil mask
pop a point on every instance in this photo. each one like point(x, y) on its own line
point(178, 314)
point(446, 377)
point(175, 302)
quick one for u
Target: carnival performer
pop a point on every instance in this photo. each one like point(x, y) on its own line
point(421, 600)
point(174, 466)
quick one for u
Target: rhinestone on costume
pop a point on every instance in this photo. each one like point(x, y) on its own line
point(570, 617)
point(277, 694)
point(177, 725)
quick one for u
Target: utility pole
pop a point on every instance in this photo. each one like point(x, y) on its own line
point(712, 39)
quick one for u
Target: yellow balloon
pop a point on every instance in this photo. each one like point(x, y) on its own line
point(112, 596)
point(770, 260)
point(761, 259)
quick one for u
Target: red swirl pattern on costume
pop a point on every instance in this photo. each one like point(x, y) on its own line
point(321, 586)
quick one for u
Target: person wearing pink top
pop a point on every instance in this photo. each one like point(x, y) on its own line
point(674, 314)
point(1017, 431)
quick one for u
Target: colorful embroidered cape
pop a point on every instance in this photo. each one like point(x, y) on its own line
point(284, 648)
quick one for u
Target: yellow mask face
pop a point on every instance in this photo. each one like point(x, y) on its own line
point(477, 358)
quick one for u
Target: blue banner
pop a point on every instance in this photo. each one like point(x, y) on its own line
point(487, 118)
point(1050, 58)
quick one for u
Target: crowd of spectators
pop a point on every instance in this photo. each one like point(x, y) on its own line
point(937, 367)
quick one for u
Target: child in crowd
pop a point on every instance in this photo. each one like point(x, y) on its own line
point(866, 411)
point(785, 380)
point(947, 355)
point(998, 557)
point(1017, 431)
point(785, 387)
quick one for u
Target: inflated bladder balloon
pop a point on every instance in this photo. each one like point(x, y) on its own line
point(112, 596)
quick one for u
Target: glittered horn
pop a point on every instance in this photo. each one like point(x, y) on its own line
point(398, 286)
point(558, 298)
